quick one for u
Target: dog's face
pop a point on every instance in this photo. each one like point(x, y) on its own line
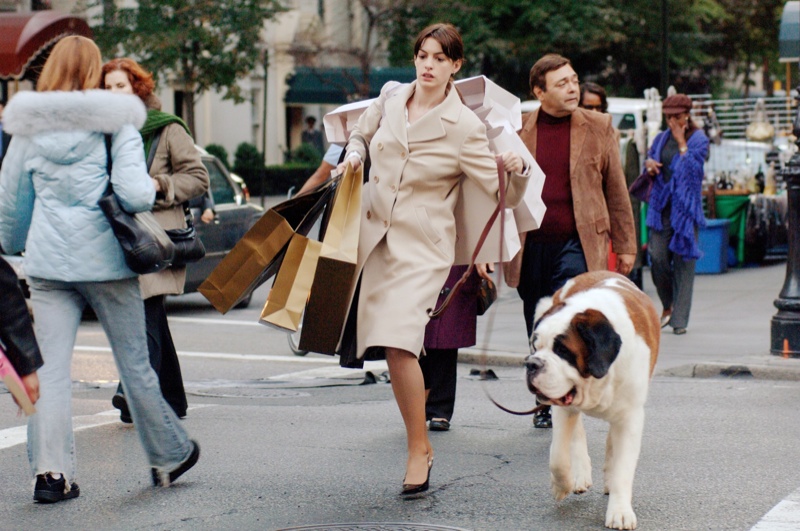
point(568, 351)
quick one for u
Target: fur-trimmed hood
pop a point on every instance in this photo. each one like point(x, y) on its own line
point(29, 113)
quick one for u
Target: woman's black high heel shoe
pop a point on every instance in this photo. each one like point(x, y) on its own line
point(409, 489)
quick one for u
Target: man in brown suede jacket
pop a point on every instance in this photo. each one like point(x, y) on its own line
point(585, 191)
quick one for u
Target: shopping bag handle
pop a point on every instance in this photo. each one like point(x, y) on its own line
point(500, 210)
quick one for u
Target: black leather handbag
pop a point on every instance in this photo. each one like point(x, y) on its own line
point(146, 246)
point(188, 246)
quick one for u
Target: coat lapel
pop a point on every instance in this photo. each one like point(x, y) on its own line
point(528, 132)
point(430, 126)
point(395, 114)
point(577, 135)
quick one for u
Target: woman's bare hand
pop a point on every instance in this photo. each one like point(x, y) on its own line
point(355, 162)
point(31, 384)
point(652, 166)
point(484, 270)
point(513, 162)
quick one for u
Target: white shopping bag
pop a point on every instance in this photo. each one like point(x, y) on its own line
point(501, 112)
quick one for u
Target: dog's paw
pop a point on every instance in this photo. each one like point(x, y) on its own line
point(560, 485)
point(583, 482)
point(583, 475)
point(620, 517)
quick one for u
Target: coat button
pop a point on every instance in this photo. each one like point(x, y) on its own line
point(380, 146)
point(393, 188)
point(385, 223)
point(369, 214)
point(376, 179)
point(403, 154)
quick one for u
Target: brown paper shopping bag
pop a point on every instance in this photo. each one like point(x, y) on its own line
point(256, 257)
point(328, 302)
point(288, 296)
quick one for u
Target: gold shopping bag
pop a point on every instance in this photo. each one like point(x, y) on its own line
point(288, 296)
point(256, 257)
point(329, 299)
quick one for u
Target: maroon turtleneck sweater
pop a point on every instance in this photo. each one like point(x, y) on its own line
point(552, 154)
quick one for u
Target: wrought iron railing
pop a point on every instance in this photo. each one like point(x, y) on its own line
point(734, 115)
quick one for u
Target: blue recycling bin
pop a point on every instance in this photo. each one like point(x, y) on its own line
point(713, 241)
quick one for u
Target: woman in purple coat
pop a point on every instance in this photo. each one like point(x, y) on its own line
point(454, 329)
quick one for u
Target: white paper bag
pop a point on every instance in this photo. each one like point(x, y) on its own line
point(501, 112)
point(473, 209)
point(530, 212)
point(481, 93)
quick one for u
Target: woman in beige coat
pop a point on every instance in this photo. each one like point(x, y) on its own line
point(178, 175)
point(422, 141)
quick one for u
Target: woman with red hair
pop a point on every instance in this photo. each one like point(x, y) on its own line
point(178, 175)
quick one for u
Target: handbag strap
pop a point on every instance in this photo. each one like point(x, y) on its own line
point(109, 160)
point(500, 210)
point(151, 155)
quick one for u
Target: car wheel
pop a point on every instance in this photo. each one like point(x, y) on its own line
point(294, 342)
point(244, 303)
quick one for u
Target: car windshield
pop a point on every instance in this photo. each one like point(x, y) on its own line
point(221, 189)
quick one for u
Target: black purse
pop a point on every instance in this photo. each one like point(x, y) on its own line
point(146, 246)
point(487, 294)
point(188, 247)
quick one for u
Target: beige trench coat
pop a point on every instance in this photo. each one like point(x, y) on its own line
point(599, 191)
point(182, 175)
point(408, 232)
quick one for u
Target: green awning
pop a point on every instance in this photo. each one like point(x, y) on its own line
point(335, 85)
point(789, 36)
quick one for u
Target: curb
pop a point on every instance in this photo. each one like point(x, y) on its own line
point(491, 357)
point(757, 371)
point(725, 370)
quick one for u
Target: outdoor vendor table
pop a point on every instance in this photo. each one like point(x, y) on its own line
point(735, 205)
point(731, 205)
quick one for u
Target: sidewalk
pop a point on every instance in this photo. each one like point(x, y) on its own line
point(728, 333)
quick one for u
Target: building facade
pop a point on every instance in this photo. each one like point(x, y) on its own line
point(311, 34)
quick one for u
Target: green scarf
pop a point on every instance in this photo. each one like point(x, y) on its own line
point(156, 120)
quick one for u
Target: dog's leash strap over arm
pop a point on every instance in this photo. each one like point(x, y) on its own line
point(498, 211)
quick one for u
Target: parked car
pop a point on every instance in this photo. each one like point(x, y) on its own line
point(234, 216)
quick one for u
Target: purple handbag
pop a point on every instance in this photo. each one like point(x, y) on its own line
point(641, 187)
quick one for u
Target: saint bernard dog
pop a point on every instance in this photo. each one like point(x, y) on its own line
point(593, 351)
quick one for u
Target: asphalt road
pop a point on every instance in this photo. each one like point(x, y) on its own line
point(289, 441)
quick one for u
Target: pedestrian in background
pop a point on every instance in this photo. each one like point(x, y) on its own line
point(593, 97)
point(16, 331)
point(313, 136)
point(675, 212)
point(178, 174)
point(5, 138)
point(52, 178)
point(585, 192)
point(422, 140)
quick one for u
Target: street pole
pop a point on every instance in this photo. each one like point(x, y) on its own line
point(785, 328)
point(664, 49)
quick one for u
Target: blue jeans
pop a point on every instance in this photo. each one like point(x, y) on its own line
point(57, 308)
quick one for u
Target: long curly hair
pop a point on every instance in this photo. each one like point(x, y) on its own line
point(141, 80)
